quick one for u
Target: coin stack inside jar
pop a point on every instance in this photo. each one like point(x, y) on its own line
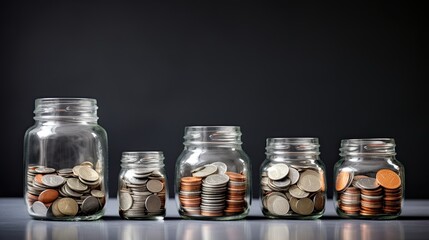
point(142, 194)
point(213, 192)
point(292, 191)
point(369, 194)
point(64, 193)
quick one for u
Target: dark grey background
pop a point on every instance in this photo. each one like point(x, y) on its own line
point(332, 71)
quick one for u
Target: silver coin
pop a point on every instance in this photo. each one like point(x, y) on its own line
point(155, 186)
point(39, 209)
point(217, 179)
point(125, 201)
point(293, 175)
point(90, 205)
point(280, 206)
point(221, 167)
point(69, 192)
point(296, 192)
point(198, 169)
point(208, 170)
point(153, 203)
point(278, 171)
point(285, 182)
point(76, 185)
point(44, 170)
point(310, 181)
point(97, 193)
point(65, 171)
point(304, 206)
point(367, 183)
point(88, 174)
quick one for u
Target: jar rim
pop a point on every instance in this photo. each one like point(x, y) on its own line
point(367, 146)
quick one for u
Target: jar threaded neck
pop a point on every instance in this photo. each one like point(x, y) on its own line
point(212, 135)
point(292, 146)
point(68, 109)
point(368, 146)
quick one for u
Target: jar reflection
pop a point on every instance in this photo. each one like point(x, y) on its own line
point(146, 230)
point(369, 230)
point(273, 230)
point(188, 230)
point(36, 230)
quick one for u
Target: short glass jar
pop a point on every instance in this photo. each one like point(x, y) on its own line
point(292, 179)
point(213, 174)
point(65, 159)
point(369, 181)
point(142, 185)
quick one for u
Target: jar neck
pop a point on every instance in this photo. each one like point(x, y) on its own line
point(377, 147)
point(292, 148)
point(212, 136)
point(66, 109)
point(152, 159)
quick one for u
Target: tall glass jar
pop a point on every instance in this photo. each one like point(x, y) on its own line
point(142, 185)
point(292, 179)
point(213, 174)
point(65, 159)
point(369, 181)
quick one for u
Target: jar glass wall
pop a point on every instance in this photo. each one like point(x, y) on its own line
point(213, 174)
point(142, 188)
point(292, 179)
point(65, 159)
point(369, 181)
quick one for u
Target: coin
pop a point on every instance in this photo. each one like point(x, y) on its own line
point(76, 185)
point(283, 183)
point(44, 170)
point(343, 180)
point(68, 206)
point(280, 206)
point(155, 186)
point(304, 206)
point(48, 196)
point(221, 167)
point(319, 201)
point(206, 171)
point(90, 205)
point(55, 211)
point(39, 209)
point(309, 181)
point(125, 201)
point(88, 174)
point(217, 179)
point(388, 179)
point(367, 183)
point(153, 203)
point(97, 193)
point(293, 175)
point(278, 171)
point(296, 192)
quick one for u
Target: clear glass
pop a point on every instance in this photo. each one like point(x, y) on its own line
point(292, 179)
point(142, 185)
point(369, 181)
point(213, 174)
point(65, 161)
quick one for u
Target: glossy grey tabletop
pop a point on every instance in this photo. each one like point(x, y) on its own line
point(15, 223)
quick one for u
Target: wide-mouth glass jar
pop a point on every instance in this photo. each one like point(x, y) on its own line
point(369, 181)
point(142, 185)
point(65, 159)
point(213, 174)
point(292, 179)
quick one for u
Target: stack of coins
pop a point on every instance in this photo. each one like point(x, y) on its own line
point(235, 202)
point(142, 194)
point(190, 195)
point(365, 195)
point(292, 191)
point(213, 192)
point(64, 193)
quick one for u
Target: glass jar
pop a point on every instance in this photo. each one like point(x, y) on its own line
point(213, 174)
point(65, 159)
point(369, 181)
point(142, 185)
point(292, 178)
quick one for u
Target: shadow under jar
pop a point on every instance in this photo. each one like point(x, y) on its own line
point(213, 174)
point(292, 179)
point(369, 181)
point(65, 159)
point(142, 185)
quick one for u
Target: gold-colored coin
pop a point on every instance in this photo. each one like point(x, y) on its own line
point(68, 206)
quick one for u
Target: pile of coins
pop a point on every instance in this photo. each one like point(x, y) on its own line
point(292, 191)
point(142, 193)
point(64, 193)
point(211, 191)
point(365, 195)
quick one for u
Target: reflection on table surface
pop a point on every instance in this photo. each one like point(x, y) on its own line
point(36, 230)
point(284, 229)
point(213, 230)
point(351, 230)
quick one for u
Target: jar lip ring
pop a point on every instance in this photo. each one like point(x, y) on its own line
point(212, 128)
point(65, 100)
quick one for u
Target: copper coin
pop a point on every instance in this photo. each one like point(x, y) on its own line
point(48, 196)
point(343, 181)
point(190, 179)
point(32, 197)
point(388, 179)
point(236, 176)
point(38, 178)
